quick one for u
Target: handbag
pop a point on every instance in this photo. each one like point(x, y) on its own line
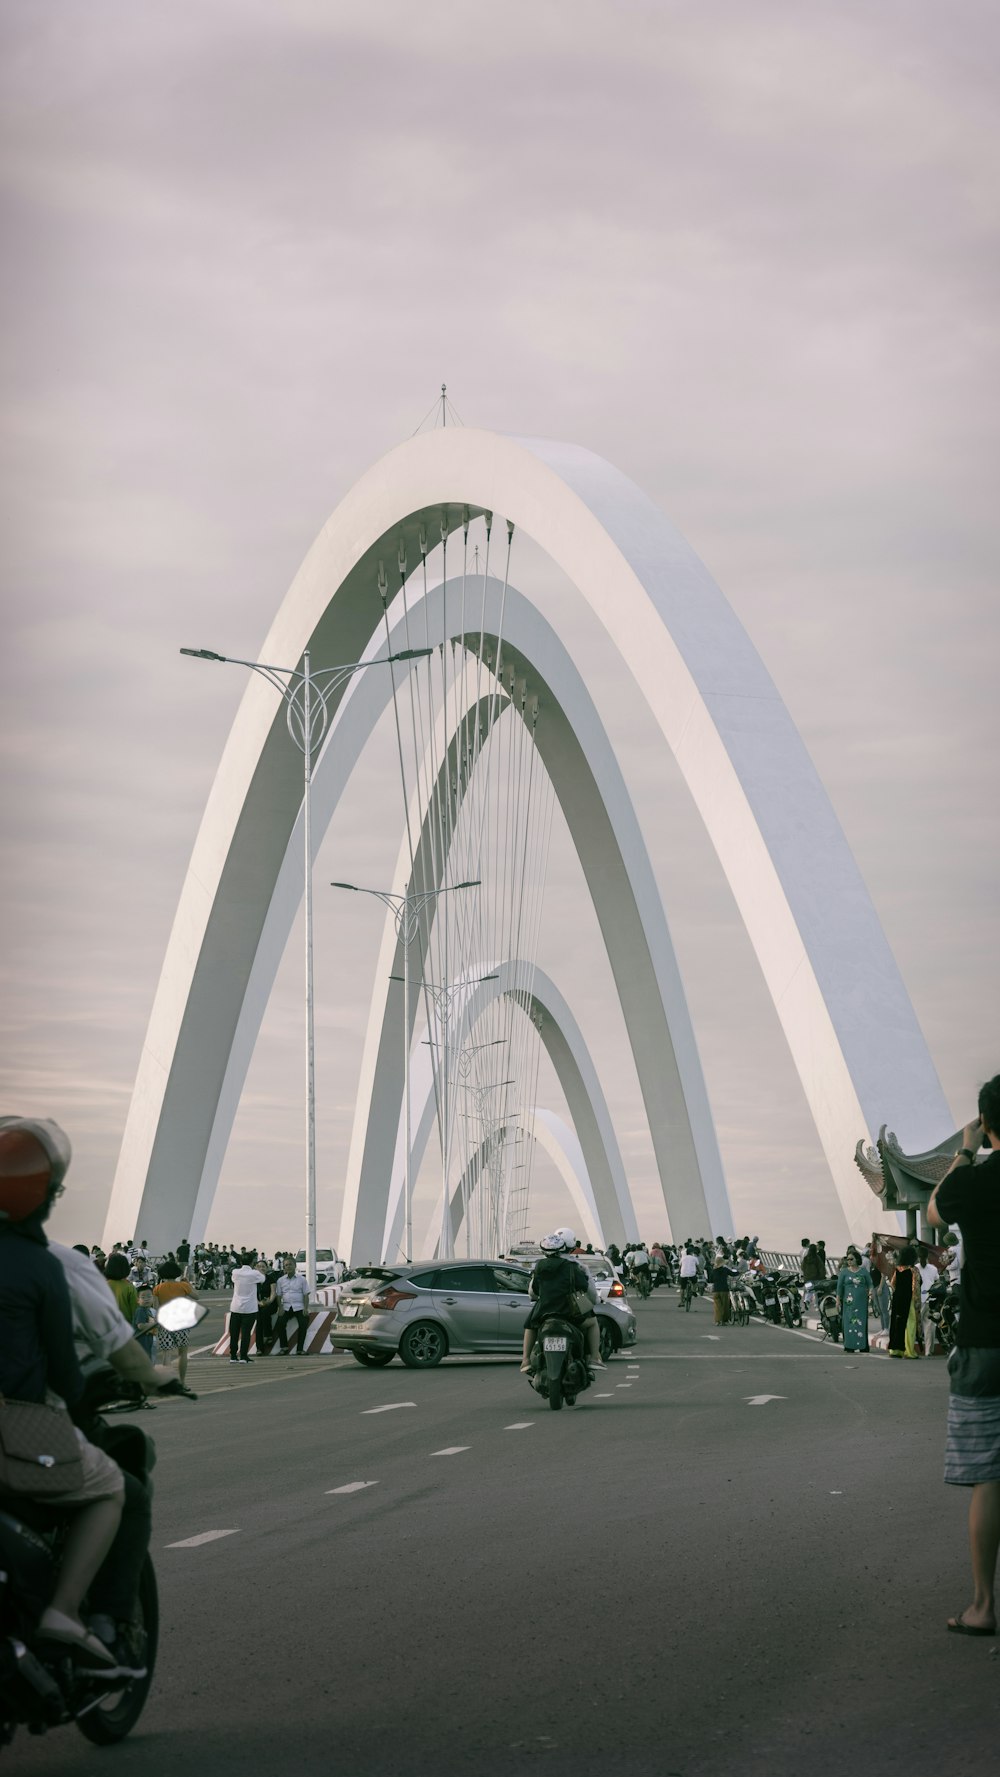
point(40, 1452)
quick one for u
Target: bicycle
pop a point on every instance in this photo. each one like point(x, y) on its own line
point(687, 1291)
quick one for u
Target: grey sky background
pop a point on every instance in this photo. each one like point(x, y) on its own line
point(748, 252)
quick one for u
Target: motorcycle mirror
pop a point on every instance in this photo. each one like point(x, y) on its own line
point(180, 1314)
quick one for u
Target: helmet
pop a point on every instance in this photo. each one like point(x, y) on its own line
point(567, 1237)
point(34, 1158)
point(552, 1243)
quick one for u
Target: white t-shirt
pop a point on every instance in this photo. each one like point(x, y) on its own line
point(929, 1275)
point(291, 1292)
point(689, 1265)
point(99, 1326)
point(245, 1281)
point(638, 1256)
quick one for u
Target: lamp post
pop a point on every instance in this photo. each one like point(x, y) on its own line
point(406, 910)
point(307, 696)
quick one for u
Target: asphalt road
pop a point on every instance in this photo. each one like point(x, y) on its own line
point(666, 1579)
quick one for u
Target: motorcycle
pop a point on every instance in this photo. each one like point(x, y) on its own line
point(42, 1683)
point(829, 1312)
point(789, 1301)
point(559, 1369)
point(942, 1307)
point(765, 1294)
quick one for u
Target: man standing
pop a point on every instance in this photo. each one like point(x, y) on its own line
point(969, 1197)
point(243, 1310)
point(184, 1255)
point(721, 1273)
point(294, 1299)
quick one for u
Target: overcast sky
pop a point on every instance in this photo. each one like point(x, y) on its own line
point(746, 251)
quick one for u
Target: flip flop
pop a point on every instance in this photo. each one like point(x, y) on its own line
point(957, 1627)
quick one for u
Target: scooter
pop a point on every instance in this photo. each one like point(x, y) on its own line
point(829, 1313)
point(42, 1683)
point(559, 1369)
point(942, 1308)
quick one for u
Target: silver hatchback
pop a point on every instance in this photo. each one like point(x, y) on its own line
point(427, 1312)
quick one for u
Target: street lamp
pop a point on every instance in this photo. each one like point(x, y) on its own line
point(307, 697)
point(406, 910)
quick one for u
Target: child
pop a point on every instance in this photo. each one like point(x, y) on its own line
point(144, 1323)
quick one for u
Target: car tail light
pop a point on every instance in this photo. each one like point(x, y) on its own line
point(616, 1289)
point(389, 1297)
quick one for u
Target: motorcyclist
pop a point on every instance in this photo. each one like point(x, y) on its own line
point(556, 1283)
point(637, 1259)
point(101, 1334)
point(37, 1358)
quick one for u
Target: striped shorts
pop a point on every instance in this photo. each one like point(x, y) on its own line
point(972, 1453)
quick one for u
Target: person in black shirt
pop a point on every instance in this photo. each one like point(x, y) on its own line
point(969, 1197)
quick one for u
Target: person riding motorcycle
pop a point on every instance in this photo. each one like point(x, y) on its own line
point(102, 1335)
point(37, 1360)
point(556, 1283)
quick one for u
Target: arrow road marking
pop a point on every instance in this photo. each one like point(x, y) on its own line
point(390, 1408)
point(207, 1536)
point(761, 1400)
point(352, 1487)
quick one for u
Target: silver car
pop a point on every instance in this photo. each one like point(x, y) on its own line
point(427, 1312)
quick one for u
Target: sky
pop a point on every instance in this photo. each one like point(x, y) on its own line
point(745, 251)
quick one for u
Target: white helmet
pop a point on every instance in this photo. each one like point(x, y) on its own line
point(567, 1237)
point(552, 1243)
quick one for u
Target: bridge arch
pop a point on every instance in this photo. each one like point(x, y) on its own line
point(848, 1021)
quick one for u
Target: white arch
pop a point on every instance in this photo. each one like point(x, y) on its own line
point(600, 1162)
point(850, 1026)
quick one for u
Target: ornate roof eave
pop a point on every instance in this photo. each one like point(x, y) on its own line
point(904, 1180)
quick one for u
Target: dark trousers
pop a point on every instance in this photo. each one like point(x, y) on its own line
point(265, 1330)
point(240, 1328)
point(299, 1315)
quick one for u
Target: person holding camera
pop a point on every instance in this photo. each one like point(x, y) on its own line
point(969, 1197)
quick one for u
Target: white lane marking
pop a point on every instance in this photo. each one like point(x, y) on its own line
point(520, 1425)
point(836, 1492)
point(207, 1536)
point(604, 1397)
point(623, 1384)
point(715, 1337)
point(761, 1400)
point(452, 1450)
point(389, 1408)
point(352, 1487)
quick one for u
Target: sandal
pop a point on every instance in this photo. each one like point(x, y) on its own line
point(957, 1627)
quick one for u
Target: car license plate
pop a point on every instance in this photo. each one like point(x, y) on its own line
point(554, 1344)
point(349, 1310)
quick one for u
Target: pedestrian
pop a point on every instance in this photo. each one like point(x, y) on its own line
point(813, 1271)
point(243, 1309)
point(969, 1197)
point(184, 1255)
point(117, 1273)
point(903, 1306)
point(928, 1274)
point(267, 1302)
point(294, 1299)
point(144, 1322)
point(170, 1284)
point(854, 1292)
point(721, 1273)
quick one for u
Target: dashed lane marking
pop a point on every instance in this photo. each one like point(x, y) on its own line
point(452, 1450)
point(207, 1536)
point(761, 1400)
point(353, 1487)
point(519, 1425)
point(604, 1397)
point(623, 1384)
point(390, 1407)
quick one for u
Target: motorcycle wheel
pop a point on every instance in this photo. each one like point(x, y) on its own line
point(113, 1719)
point(555, 1393)
point(570, 1400)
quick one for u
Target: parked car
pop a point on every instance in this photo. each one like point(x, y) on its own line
point(329, 1269)
point(428, 1312)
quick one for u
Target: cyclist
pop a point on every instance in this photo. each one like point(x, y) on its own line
point(688, 1273)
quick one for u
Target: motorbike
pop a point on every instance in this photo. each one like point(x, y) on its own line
point(559, 1369)
point(829, 1311)
point(42, 1683)
point(764, 1288)
point(942, 1308)
point(789, 1300)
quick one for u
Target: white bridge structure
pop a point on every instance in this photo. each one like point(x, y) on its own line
point(510, 697)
